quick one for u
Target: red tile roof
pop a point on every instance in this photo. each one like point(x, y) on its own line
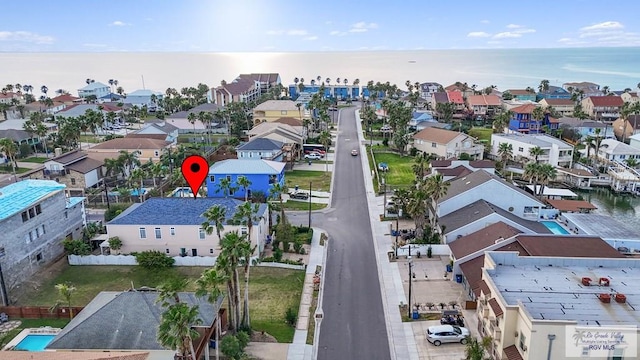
point(571, 205)
point(520, 92)
point(524, 109)
point(497, 310)
point(455, 97)
point(456, 171)
point(512, 353)
point(65, 98)
point(484, 100)
point(484, 287)
point(481, 239)
point(440, 163)
point(606, 101)
point(559, 102)
point(567, 246)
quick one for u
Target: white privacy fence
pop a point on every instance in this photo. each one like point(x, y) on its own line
point(130, 260)
point(436, 250)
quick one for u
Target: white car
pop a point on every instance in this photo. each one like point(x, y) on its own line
point(440, 334)
point(313, 156)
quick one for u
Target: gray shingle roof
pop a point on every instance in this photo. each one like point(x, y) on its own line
point(261, 144)
point(480, 209)
point(176, 211)
point(124, 321)
point(465, 183)
point(15, 135)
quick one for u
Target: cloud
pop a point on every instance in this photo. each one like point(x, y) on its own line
point(337, 33)
point(291, 32)
point(513, 26)
point(26, 36)
point(362, 26)
point(478, 34)
point(328, 22)
point(119, 23)
point(507, 34)
point(311, 38)
point(275, 32)
point(516, 32)
point(90, 45)
point(485, 21)
point(607, 25)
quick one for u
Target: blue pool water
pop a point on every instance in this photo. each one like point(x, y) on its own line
point(35, 342)
point(555, 227)
point(183, 192)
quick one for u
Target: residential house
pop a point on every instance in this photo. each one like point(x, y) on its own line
point(75, 169)
point(555, 151)
point(423, 120)
point(473, 165)
point(286, 134)
point(148, 149)
point(296, 124)
point(478, 185)
point(111, 97)
point(160, 130)
point(557, 298)
point(514, 103)
point(262, 174)
point(553, 92)
point(630, 97)
point(173, 225)
point(261, 148)
point(522, 94)
point(605, 108)
point(35, 216)
point(9, 97)
point(447, 144)
point(439, 98)
point(77, 110)
point(272, 110)
point(18, 124)
point(114, 322)
point(585, 88)
point(462, 88)
point(564, 107)
point(623, 129)
point(427, 90)
point(181, 120)
point(587, 127)
point(579, 178)
point(366, 94)
point(96, 89)
point(522, 121)
point(21, 137)
point(485, 106)
point(477, 215)
point(457, 99)
point(62, 101)
point(144, 97)
point(614, 150)
point(24, 111)
point(244, 88)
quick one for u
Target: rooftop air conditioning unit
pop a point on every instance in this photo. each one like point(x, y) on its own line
point(603, 282)
point(605, 298)
point(586, 281)
point(621, 298)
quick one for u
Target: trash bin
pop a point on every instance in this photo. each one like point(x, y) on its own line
point(212, 343)
point(449, 268)
point(459, 279)
point(416, 315)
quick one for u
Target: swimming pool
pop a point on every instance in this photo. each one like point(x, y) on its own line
point(34, 342)
point(555, 227)
point(183, 192)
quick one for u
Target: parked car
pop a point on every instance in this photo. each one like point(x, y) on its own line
point(313, 156)
point(354, 152)
point(299, 195)
point(440, 334)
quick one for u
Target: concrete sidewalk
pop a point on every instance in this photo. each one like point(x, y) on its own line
point(400, 335)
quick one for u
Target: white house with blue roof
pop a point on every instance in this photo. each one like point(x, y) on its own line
point(174, 226)
point(35, 217)
point(144, 97)
point(262, 174)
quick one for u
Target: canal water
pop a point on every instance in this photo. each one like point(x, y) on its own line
point(624, 208)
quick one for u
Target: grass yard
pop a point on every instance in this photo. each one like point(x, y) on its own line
point(481, 133)
point(35, 159)
point(31, 323)
point(321, 181)
point(272, 290)
point(89, 139)
point(400, 172)
point(9, 170)
point(302, 205)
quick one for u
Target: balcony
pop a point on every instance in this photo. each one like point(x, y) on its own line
point(55, 172)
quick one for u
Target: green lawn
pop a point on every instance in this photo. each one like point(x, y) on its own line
point(272, 290)
point(9, 170)
point(481, 133)
point(34, 159)
point(89, 139)
point(321, 181)
point(31, 323)
point(302, 205)
point(400, 172)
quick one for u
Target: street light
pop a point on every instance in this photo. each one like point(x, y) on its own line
point(316, 332)
point(384, 182)
point(410, 283)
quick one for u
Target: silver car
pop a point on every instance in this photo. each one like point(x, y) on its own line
point(447, 334)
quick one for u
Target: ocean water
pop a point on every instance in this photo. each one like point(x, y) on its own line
point(506, 68)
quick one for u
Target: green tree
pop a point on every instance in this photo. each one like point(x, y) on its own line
point(535, 152)
point(246, 214)
point(10, 150)
point(115, 243)
point(226, 186)
point(215, 218)
point(505, 151)
point(65, 291)
point(477, 349)
point(436, 187)
point(244, 183)
point(175, 330)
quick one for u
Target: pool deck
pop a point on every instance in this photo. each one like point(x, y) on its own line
point(46, 330)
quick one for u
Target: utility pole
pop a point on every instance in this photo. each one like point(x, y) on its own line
point(410, 282)
point(384, 183)
point(398, 230)
point(310, 184)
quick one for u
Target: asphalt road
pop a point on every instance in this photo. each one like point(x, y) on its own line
point(353, 326)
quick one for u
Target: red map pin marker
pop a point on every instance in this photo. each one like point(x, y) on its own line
point(195, 170)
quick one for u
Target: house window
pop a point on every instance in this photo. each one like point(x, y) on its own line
point(283, 112)
point(37, 232)
point(73, 181)
point(229, 177)
point(201, 233)
point(25, 217)
point(156, 153)
point(434, 145)
point(522, 342)
point(143, 233)
point(243, 231)
point(172, 231)
point(166, 250)
point(273, 179)
point(39, 257)
point(27, 238)
point(2, 251)
point(521, 149)
point(158, 233)
point(32, 213)
point(30, 236)
point(210, 251)
point(43, 232)
point(66, 215)
point(38, 209)
point(212, 178)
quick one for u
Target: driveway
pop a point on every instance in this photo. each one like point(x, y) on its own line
point(429, 351)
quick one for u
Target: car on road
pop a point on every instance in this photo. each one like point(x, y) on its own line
point(354, 152)
point(441, 334)
point(313, 156)
point(299, 195)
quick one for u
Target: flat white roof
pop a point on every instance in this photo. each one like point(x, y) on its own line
point(604, 226)
point(553, 191)
point(18, 124)
point(541, 140)
point(551, 288)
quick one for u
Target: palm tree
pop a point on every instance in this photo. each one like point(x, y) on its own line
point(538, 115)
point(544, 85)
point(419, 166)
point(66, 292)
point(417, 208)
point(192, 118)
point(215, 218)
point(233, 251)
point(226, 186)
point(276, 191)
point(10, 150)
point(246, 214)
point(325, 139)
point(175, 330)
point(436, 187)
point(535, 152)
point(477, 349)
point(208, 284)
point(129, 161)
point(44, 89)
point(631, 162)
point(245, 183)
point(547, 173)
point(532, 173)
point(502, 121)
point(505, 151)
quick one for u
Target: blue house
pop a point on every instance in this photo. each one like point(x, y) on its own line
point(261, 148)
point(522, 121)
point(366, 93)
point(262, 174)
point(553, 92)
point(340, 92)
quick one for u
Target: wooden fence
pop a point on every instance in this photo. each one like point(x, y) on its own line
point(38, 312)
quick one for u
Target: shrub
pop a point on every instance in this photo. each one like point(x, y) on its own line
point(153, 259)
point(277, 254)
point(302, 251)
point(76, 247)
point(113, 211)
point(413, 151)
point(115, 243)
point(297, 246)
point(385, 142)
point(290, 317)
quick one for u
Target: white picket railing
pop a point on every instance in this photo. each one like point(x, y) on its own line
point(130, 260)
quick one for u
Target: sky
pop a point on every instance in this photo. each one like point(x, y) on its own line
point(310, 25)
